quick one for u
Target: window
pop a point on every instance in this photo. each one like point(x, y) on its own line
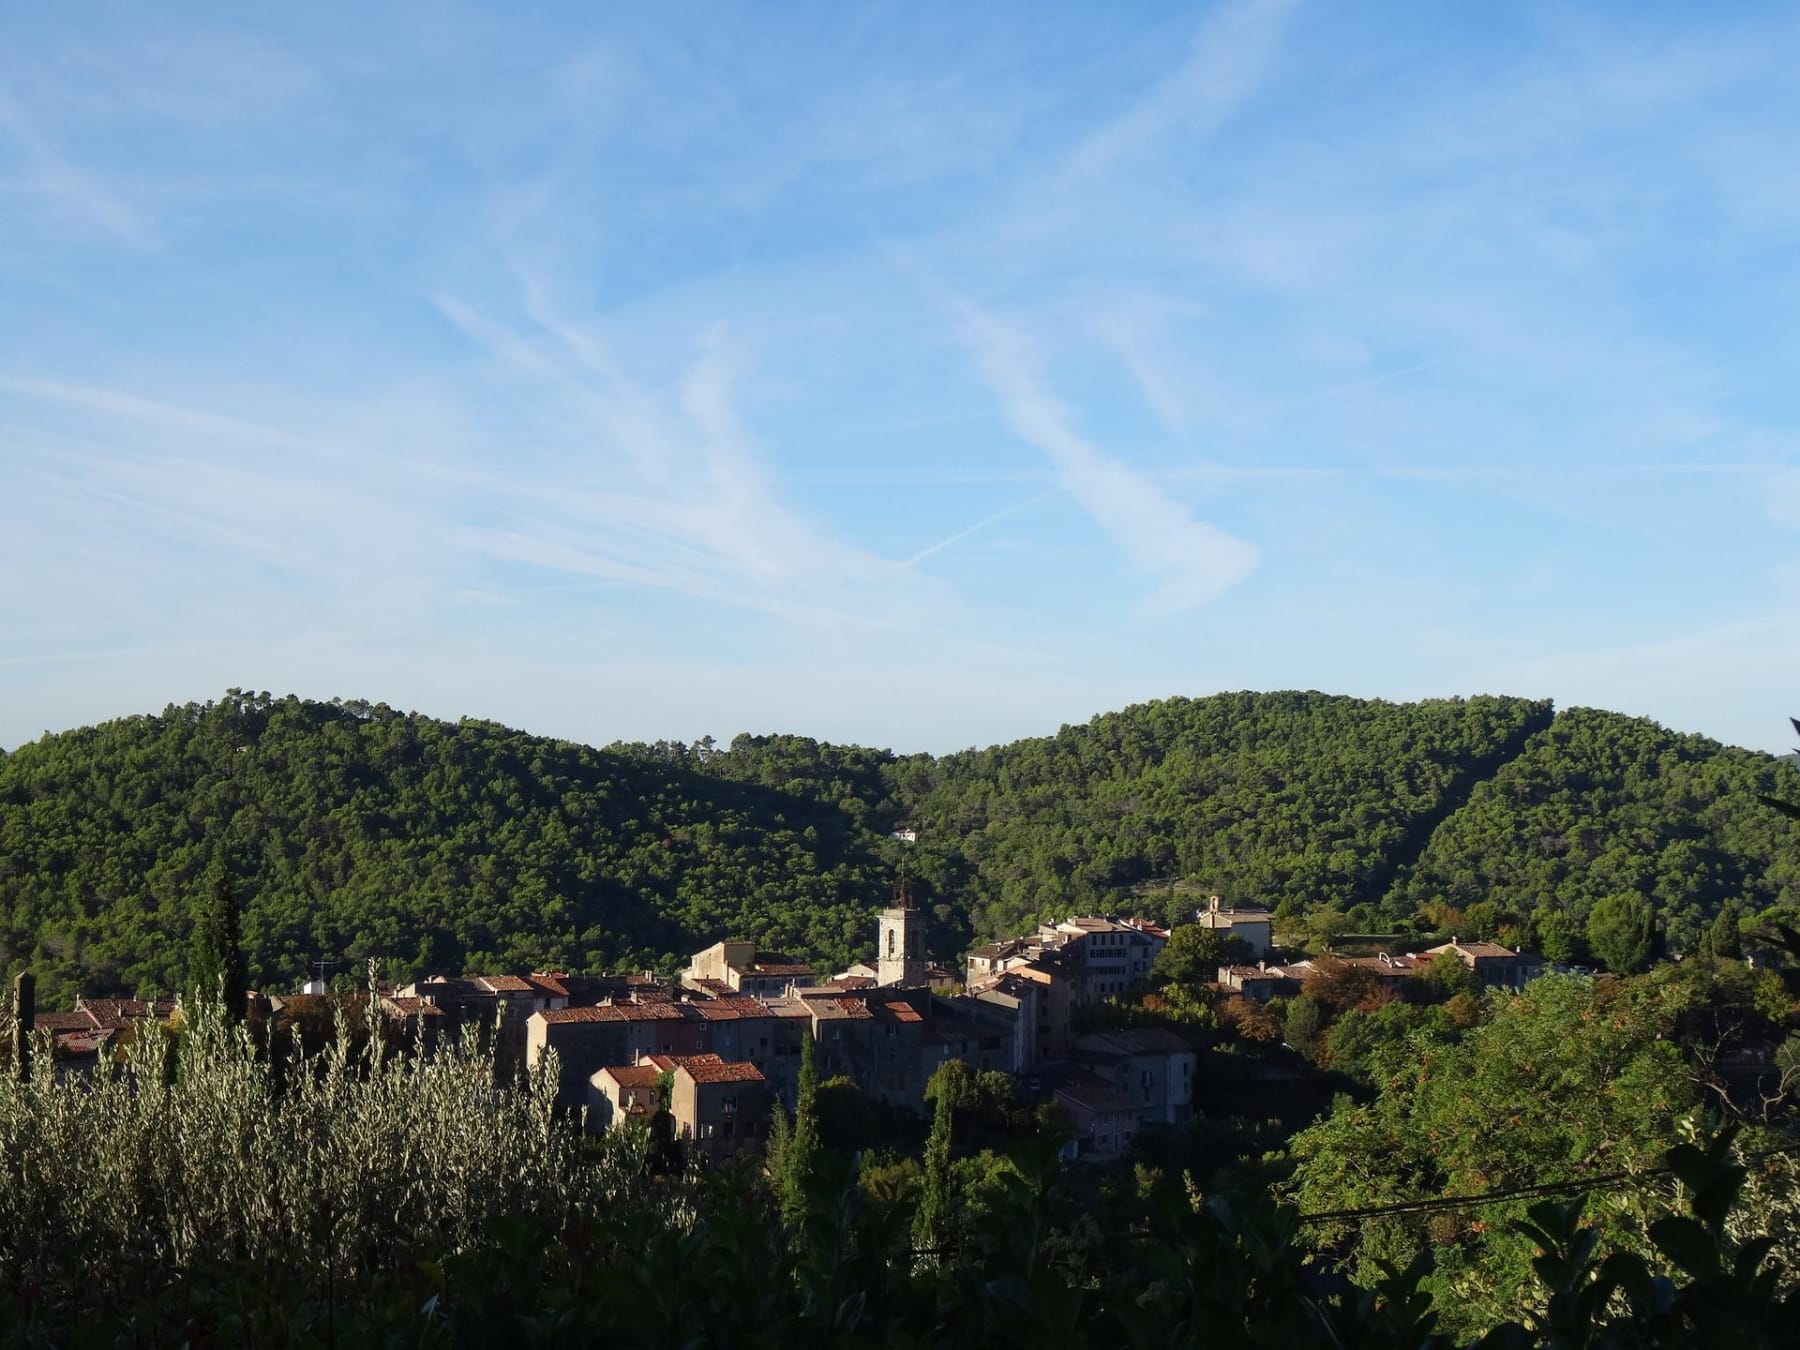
point(729, 1106)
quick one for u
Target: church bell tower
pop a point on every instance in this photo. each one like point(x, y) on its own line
point(900, 939)
point(901, 959)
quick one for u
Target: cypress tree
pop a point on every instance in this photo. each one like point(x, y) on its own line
point(216, 965)
point(931, 1224)
point(802, 1141)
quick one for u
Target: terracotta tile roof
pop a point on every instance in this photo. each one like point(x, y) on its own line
point(548, 984)
point(1008, 983)
point(1145, 926)
point(1089, 924)
point(412, 1007)
point(728, 1009)
point(896, 1012)
point(852, 982)
point(506, 984)
point(781, 968)
point(1389, 967)
point(1230, 918)
point(711, 987)
point(633, 1075)
point(57, 1023)
point(993, 950)
point(833, 1008)
point(789, 1007)
point(1481, 951)
point(735, 1072)
point(615, 1012)
point(112, 1013)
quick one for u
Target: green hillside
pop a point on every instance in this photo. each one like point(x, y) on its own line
point(360, 831)
point(1601, 804)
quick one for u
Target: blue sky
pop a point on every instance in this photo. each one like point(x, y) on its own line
point(923, 375)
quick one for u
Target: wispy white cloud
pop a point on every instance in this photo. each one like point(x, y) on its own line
point(66, 189)
point(665, 487)
point(123, 405)
point(1192, 561)
point(1225, 66)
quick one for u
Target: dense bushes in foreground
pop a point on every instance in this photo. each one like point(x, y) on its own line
point(362, 1199)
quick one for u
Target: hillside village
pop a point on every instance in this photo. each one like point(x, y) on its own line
point(718, 1046)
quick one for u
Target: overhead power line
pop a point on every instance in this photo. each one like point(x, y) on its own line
point(1594, 1182)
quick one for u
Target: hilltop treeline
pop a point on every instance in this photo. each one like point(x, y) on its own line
point(357, 831)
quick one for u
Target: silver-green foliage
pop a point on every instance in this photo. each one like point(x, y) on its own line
point(343, 1159)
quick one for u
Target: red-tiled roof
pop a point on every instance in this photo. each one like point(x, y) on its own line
point(1391, 967)
point(994, 950)
point(413, 1007)
point(615, 1012)
point(1090, 924)
point(633, 1075)
point(111, 1013)
point(548, 984)
point(839, 1007)
point(1481, 951)
point(57, 1023)
point(782, 968)
point(733, 1072)
point(506, 984)
point(728, 1009)
point(897, 1012)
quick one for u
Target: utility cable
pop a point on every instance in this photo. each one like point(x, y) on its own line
point(1599, 1181)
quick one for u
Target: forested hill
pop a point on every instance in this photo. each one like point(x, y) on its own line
point(358, 831)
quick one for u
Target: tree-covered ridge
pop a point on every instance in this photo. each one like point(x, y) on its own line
point(1598, 805)
point(1290, 800)
point(358, 831)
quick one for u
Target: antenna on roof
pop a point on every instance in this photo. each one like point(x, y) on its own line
point(323, 967)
